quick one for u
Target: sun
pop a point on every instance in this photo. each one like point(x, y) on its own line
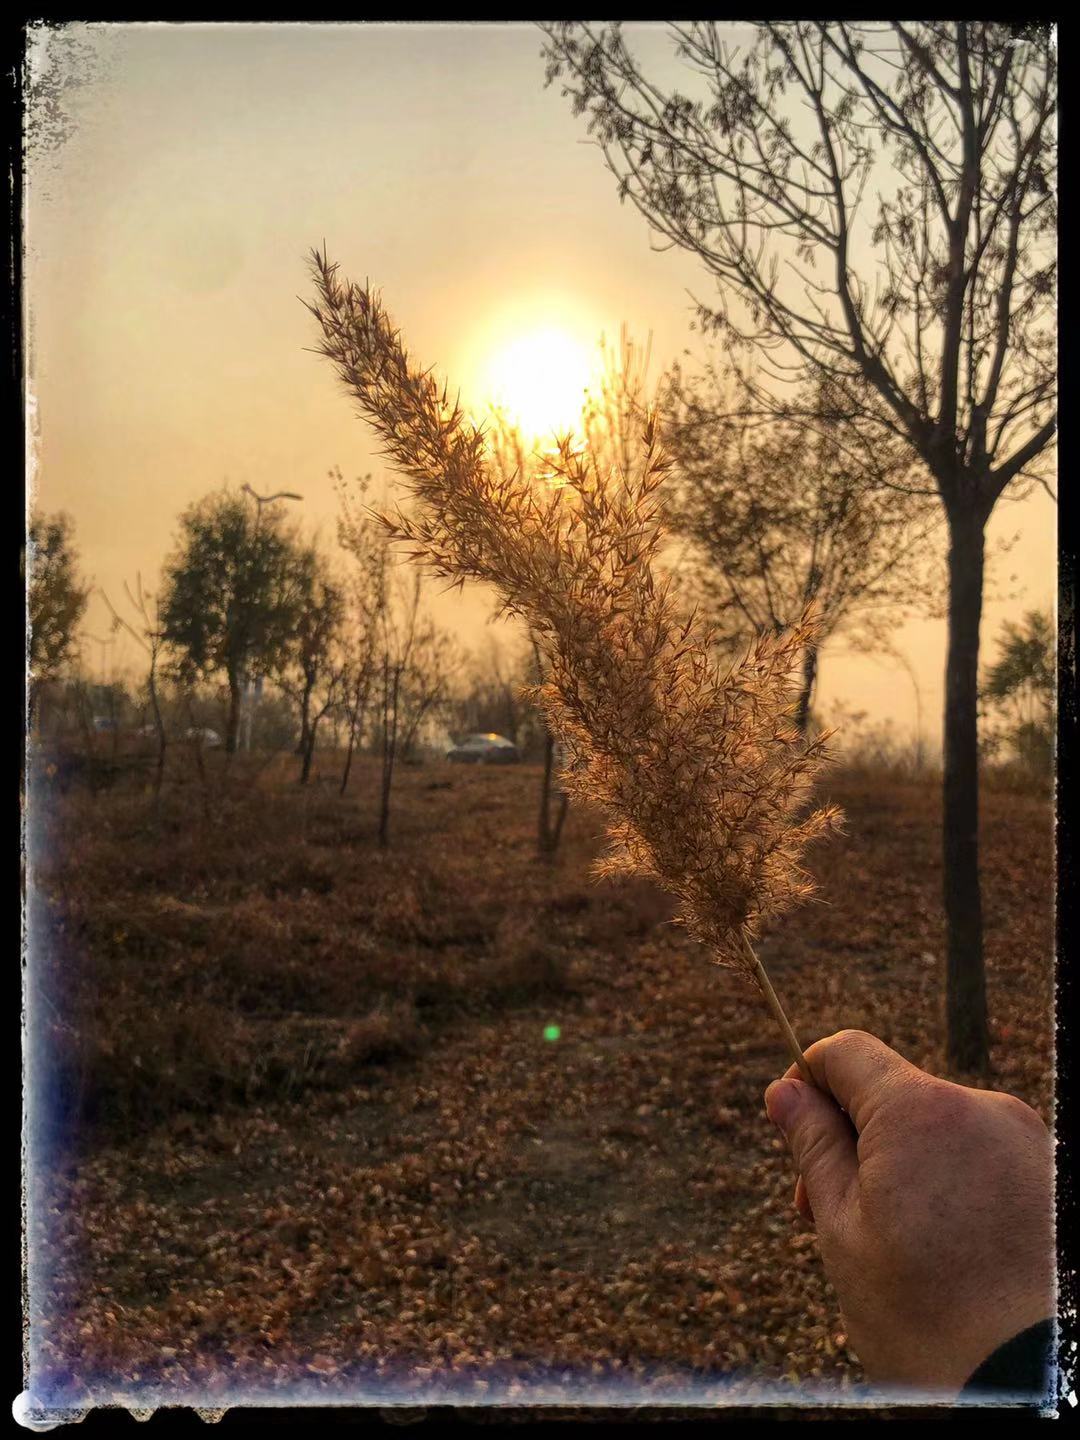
point(539, 380)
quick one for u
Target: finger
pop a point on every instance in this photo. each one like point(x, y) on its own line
point(822, 1143)
point(858, 1070)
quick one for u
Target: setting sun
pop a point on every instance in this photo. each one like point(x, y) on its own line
point(539, 379)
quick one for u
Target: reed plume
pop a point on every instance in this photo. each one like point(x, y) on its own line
point(697, 764)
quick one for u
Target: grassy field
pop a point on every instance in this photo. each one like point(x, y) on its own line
point(445, 1119)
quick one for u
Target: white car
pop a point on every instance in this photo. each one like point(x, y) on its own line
point(205, 736)
point(487, 749)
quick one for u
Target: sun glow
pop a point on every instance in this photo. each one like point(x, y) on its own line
point(539, 380)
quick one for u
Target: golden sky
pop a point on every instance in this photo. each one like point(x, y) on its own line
point(166, 229)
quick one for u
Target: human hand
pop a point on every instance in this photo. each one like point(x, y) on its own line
point(933, 1205)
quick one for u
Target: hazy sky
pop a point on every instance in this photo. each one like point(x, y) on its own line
point(173, 191)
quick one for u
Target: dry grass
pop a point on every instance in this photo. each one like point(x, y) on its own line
point(698, 766)
point(186, 962)
point(481, 1208)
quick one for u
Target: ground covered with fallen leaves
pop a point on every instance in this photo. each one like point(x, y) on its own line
point(314, 1120)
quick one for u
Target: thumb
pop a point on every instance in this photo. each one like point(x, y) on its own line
point(822, 1142)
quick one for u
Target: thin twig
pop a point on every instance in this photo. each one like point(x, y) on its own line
point(773, 1002)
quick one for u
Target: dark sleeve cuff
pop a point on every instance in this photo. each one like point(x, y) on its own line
point(1021, 1369)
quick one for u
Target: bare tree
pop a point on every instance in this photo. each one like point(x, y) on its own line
point(782, 517)
point(415, 661)
point(368, 596)
point(401, 660)
point(358, 675)
point(149, 634)
point(397, 638)
point(940, 305)
point(324, 702)
point(425, 689)
point(776, 515)
point(311, 672)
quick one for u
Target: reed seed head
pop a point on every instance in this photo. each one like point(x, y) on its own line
point(696, 762)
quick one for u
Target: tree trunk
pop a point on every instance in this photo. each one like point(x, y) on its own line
point(548, 835)
point(965, 979)
point(384, 804)
point(309, 751)
point(159, 725)
point(544, 827)
point(232, 728)
point(356, 713)
point(806, 692)
point(390, 720)
point(348, 761)
point(303, 744)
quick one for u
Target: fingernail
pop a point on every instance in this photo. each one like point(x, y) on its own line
point(781, 1102)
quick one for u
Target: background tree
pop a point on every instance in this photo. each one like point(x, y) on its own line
point(56, 598)
point(553, 812)
point(147, 632)
point(425, 690)
point(412, 670)
point(358, 673)
point(231, 597)
point(782, 517)
point(403, 661)
point(1018, 691)
point(940, 305)
point(774, 515)
point(397, 634)
point(311, 667)
point(368, 595)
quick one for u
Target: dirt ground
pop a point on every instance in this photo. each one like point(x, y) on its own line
point(516, 1147)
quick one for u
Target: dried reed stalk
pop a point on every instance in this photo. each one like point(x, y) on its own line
point(698, 766)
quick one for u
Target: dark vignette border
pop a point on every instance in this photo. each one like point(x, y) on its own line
point(469, 1420)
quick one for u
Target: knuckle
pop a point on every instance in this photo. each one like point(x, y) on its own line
point(850, 1036)
point(964, 1123)
point(859, 1042)
point(855, 1041)
point(940, 1103)
point(1019, 1112)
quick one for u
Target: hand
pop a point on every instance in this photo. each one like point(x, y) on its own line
point(933, 1205)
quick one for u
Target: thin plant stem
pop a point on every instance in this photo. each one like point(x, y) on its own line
point(773, 1002)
